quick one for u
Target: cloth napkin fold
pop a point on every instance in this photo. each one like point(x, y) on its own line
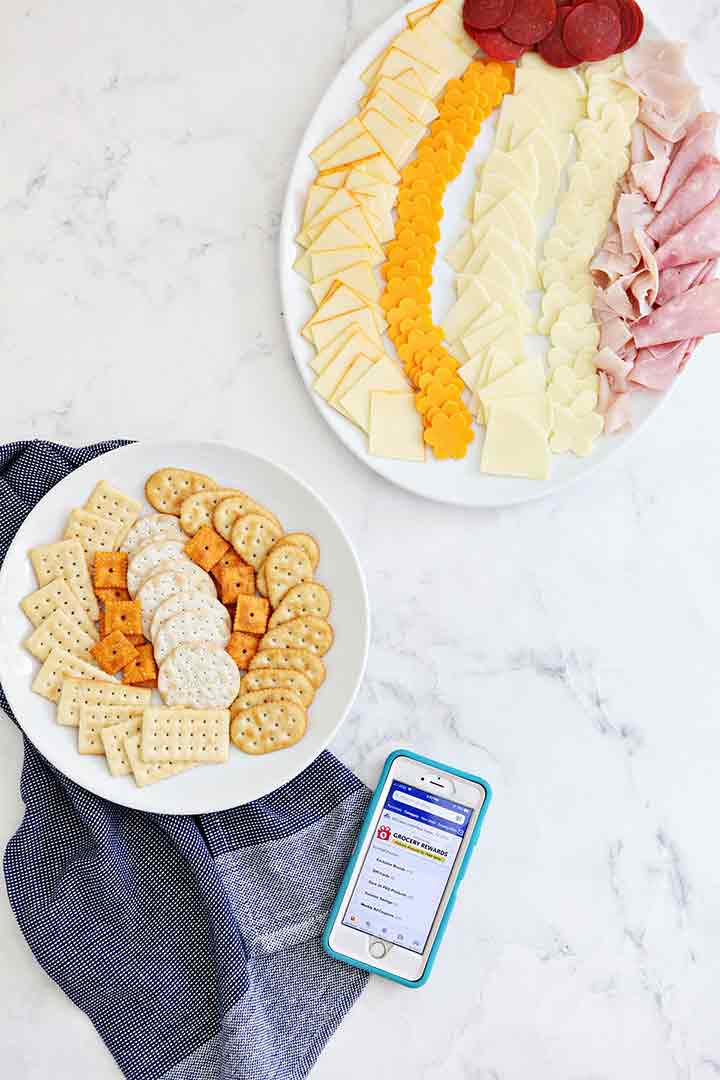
point(192, 943)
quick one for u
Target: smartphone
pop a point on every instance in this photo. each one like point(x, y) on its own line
point(403, 877)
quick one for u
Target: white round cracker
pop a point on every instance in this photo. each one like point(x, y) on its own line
point(194, 600)
point(147, 560)
point(199, 676)
point(166, 583)
point(189, 626)
point(152, 527)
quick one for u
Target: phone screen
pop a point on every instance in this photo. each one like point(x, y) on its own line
point(407, 866)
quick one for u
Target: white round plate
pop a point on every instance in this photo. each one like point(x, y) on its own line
point(459, 482)
point(244, 778)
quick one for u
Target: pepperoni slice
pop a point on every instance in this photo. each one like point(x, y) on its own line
point(632, 22)
point(487, 14)
point(531, 21)
point(592, 31)
point(553, 49)
point(495, 44)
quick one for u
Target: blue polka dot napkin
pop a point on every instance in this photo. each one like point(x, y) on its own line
point(192, 943)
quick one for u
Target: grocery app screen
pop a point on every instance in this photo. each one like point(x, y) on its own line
point(410, 859)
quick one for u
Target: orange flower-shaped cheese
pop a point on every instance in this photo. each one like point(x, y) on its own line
point(449, 436)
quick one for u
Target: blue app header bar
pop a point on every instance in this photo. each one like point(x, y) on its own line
point(418, 805)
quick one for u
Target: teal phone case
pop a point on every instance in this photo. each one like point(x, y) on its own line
point(356, 852)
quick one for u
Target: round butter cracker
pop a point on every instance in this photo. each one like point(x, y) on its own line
point(253, 536)
point(230, 509)
point(310, 598)
point(296, 659)
point(285, 567)
point(306, 632)
point(198, 509)
point(264, 697)
point(265, 678)
point(261, 729)
point(166, 489)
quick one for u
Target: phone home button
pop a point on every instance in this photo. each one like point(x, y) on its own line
point(378, 950)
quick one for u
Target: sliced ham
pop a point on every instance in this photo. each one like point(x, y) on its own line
point(632, 212)
point(644, 288)
point(699, 140)
point(656, 369)
point(678, 279)
point(614, 333)
point(607, 265)
point(619, 414)
point(605, 394)
point(694, 194)
point(693, 314)
point(698, 240)
point(708, 272)
point(652, 53)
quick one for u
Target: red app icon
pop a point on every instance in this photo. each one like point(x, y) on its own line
point(383, 833)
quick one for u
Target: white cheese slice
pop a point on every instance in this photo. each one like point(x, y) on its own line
point(396, 429)
point(562, 110)
point(525, 378)
point(495, 270)
point(512, 305)
point(568, 80)
point(518, 260)
point(464, 311)
point(547, 153)
point(384, 375)
point(514, 171)
point(344, 135)
point(515, 445)
point(325, 332)
point(360, 276)
point(518, 118)
point(478, 338)
point(460, 254)
point(360, 365)
point(537, 407)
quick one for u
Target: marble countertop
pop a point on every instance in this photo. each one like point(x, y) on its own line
point(566, 649)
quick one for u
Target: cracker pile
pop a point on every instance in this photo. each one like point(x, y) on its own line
point(206, 600)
